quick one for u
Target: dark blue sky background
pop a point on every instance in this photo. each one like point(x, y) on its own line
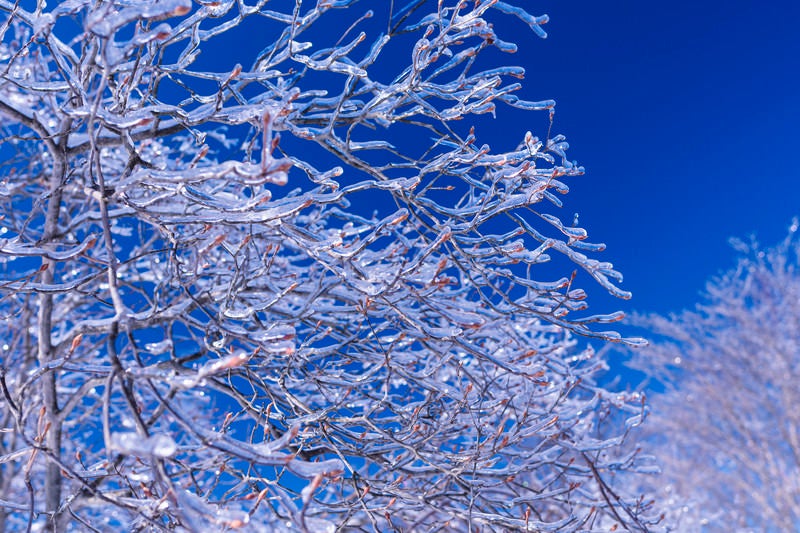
point(685, 116)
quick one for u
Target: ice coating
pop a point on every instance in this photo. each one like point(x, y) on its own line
point(290, 286)
point(131, 443)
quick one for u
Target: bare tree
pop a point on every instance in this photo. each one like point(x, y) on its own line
point(728, 425)
point(251, 297)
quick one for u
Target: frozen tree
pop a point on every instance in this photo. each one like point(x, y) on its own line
point(728, 424)
point(298, 294)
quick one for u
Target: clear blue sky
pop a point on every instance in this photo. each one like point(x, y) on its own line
point(685, 115)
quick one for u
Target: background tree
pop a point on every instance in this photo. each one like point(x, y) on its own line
point(728, 425)
point(298, 294)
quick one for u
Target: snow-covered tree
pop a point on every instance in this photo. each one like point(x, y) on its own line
point(296, 294)
point(727, 428)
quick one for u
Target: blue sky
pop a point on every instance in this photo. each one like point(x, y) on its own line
point(685, 116)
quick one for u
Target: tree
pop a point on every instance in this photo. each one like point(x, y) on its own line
point(250, 297)
point(728, 424)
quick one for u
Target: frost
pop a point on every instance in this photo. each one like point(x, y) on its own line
point(729, 371)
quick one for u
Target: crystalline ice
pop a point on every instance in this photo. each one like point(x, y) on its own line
point(160, 445)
